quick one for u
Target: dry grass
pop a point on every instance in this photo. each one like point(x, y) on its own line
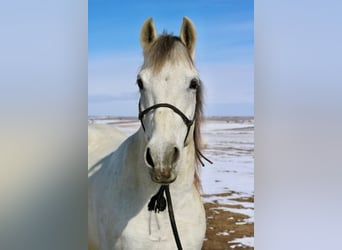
point(224, 226)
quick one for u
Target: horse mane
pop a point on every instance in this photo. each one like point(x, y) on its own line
point(197, 135)
point(169, 48)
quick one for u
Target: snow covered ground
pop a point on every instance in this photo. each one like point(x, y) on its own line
point(230, 145)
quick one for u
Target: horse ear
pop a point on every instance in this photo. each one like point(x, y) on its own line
point(188, 35)
point(148, 33)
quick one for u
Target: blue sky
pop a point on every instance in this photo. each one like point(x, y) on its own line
point(224, 52)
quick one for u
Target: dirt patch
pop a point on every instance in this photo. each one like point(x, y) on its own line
point(224, 226)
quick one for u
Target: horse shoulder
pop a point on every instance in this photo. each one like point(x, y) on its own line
point(105, 183)
point(103, 151)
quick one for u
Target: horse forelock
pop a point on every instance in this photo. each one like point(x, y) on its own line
point(167, 48)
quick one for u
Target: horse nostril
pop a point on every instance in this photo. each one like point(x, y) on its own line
point(149, 158)
point(175, 154)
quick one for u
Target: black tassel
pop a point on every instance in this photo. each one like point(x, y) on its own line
point(199, 155)
point(158, 201)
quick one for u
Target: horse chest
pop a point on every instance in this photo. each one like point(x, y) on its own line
point(149, 230)
point(138, 228)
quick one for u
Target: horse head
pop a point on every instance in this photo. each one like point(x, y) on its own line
point(170, 93)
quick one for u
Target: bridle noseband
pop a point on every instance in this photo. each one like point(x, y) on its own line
point(186, 120)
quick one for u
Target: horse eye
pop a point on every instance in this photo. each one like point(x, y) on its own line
point(140, 84)
point(194, 83)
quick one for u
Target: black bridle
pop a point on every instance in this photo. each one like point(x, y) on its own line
point(158, 202)
point(186, 120)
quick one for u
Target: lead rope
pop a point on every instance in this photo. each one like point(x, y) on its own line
point(172, 218)
point(158, 203)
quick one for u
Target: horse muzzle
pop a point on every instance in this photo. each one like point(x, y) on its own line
point(165, 176)
point(162, 163)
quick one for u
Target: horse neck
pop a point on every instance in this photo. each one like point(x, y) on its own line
point(138, 168)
